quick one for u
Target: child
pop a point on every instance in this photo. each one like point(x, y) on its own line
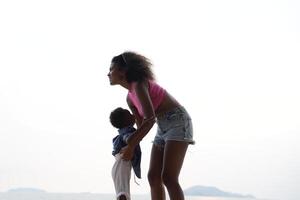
point(121, 171)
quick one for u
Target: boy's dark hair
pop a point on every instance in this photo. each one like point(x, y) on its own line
point(136, 66)
point(118, 117)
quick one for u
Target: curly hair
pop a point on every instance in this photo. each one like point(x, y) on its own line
point(118, 117)
point(136, 66)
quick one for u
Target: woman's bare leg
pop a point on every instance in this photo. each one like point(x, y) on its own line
point(174, 154)
point(154, 174)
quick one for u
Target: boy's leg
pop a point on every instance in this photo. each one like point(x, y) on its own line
point(121, 174)
point(174, 154)
point(154, 173)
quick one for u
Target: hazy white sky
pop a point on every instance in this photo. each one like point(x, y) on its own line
point(233, 64)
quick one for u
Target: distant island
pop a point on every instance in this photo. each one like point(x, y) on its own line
point(199, 190)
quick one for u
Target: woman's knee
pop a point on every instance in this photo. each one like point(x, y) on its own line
point(154, 178)
point(169, 179)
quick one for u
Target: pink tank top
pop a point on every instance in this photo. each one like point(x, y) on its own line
point(156, 92)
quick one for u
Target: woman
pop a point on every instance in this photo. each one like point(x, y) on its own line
point(150, 103)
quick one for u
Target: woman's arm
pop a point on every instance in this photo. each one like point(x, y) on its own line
point(142, 93)
point(138, 118)
point(141, 90)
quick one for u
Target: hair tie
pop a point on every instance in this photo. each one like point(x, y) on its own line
point(123, 57)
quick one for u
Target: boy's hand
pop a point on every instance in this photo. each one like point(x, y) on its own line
point(127, 152)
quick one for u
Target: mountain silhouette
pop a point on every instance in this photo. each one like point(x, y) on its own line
point(199, 190)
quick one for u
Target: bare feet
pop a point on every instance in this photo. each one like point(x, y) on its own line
point(122, 197)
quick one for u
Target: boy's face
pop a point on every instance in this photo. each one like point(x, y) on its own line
point(130, 118)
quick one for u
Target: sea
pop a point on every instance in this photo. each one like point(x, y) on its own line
point(94, 196)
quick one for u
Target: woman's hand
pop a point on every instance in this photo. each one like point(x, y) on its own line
point(127, 152)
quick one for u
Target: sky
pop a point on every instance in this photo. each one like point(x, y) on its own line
point(234, 65)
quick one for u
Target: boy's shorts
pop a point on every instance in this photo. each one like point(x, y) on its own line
point(121, 174)
point(175, 125)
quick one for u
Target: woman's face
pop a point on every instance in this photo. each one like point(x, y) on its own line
point(115, 75)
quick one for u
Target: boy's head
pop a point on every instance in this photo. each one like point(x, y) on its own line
point(121, 118)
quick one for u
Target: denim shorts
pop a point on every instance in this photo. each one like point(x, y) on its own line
point(176, 125)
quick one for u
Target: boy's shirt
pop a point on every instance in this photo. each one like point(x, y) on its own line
point(120, 141)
